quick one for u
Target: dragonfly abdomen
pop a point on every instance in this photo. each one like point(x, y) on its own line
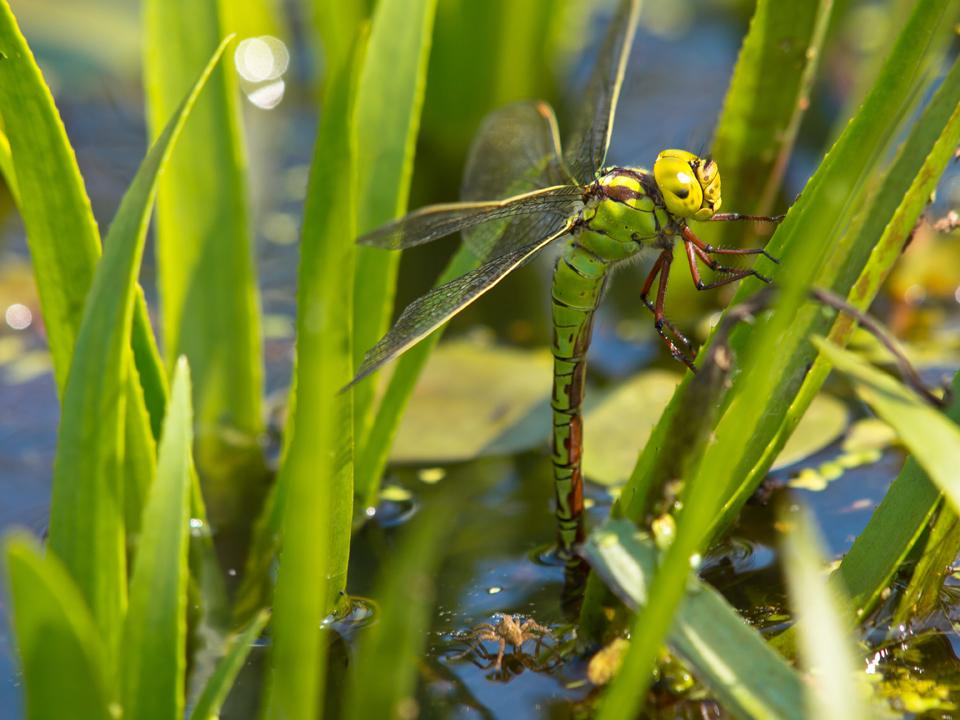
point(578, 282)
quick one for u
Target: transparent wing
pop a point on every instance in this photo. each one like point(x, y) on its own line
point(516, 150)
point(427, 313)
point(436, 221)
point(586, 147)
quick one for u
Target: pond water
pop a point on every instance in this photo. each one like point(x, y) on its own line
point(488, 568)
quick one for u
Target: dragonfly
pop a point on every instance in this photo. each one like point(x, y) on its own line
point(524, 190)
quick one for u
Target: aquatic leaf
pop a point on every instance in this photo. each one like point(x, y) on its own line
point(6, 166)
point(334, 26)
point(87, 519)
point(821, 424)
point(62, 658)
point(816, 241)
point(476, 400)
point(389, 101)
point(61, 232)
point(153, 654)
point(218, 685)
point(765, 103)
point(205, 274)
point(620, 422)
point(825, 627)
point(896, 524)
point(931, 438)
point(315, 485)
point(390, 649)
point(727, 655)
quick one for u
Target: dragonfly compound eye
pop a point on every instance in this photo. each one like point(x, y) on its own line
point(690, 185)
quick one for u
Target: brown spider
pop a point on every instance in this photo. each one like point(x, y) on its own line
point(507, 630)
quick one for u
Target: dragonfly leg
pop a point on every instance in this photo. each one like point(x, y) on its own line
point(645, 291)
point(690, 236)
point(732, 277)
point(733, 217)
point(734, 274)
point(662, 268)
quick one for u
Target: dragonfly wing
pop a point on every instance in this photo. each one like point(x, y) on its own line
point(436, 221)
point(587, 144)
point(516, 150)
point(427, 313)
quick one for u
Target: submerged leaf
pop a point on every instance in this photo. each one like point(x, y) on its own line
point(475, 400)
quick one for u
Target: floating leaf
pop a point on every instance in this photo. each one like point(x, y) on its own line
point(620, 423)
point(475, 400)
point(824, 421)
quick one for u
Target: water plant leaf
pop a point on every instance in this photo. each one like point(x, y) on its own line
point(820, 244)
point(618, 423)
point(6, 167)
point(315, 489)
point(476, 400)
point(727, 655)
point(824, 624)
point(899, 520)
point(389, 102)
point(389, 650)
point(155, 629)
point(205, 272)
point(87, 516)
point(932, 438)
point(767, 98)
point(61, 231)
point(62, 658)
point(219, 683)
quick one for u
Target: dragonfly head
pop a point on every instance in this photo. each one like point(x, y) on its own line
point(690, 185)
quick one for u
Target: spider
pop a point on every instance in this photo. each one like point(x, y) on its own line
point(508, 629)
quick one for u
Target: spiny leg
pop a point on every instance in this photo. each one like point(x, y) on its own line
point(734, 274)
point(662, 268)
point(657, 269)
point(689, 235)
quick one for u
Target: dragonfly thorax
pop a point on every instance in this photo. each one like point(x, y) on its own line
point(624, 214)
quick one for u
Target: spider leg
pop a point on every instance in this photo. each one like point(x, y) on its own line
point(501, 648)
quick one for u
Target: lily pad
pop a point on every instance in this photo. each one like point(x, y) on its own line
point(616, 427)
point(474, 400)
point(824, 421)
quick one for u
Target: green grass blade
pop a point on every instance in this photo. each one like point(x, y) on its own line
point(389, 100)
point(894, 527)
point(931, 438)
point(726, 654)
point(206, 277)
point(384, 675)
point(87, 527)
point(922, 595)
point(824, 628)
point(766, 101)
point(879, 232)
point(334, 26)
point(372, 457)
point(155, 631)
point(218, 685)
point(62, 657)
point(61, 231)
point(6, 167)
point(315, 481)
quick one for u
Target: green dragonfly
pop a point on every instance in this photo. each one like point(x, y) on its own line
point(523, 191)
